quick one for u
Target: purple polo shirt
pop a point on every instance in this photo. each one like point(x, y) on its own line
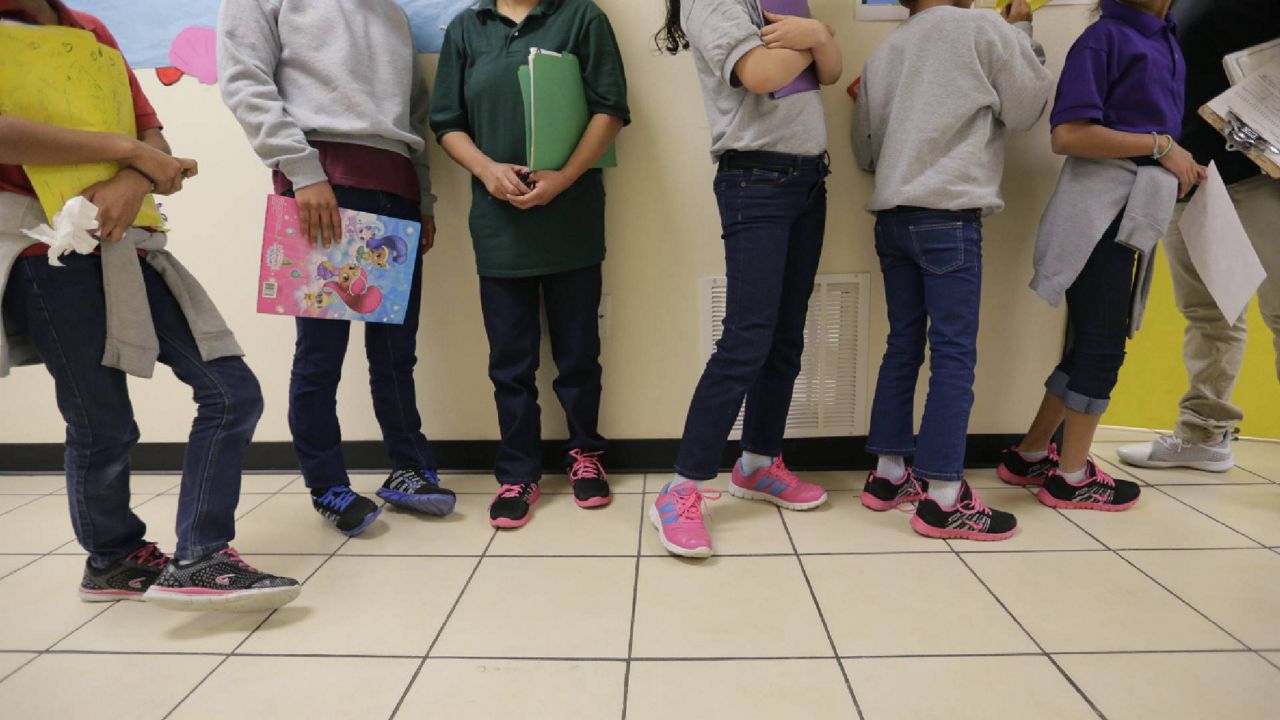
point(1126, 72)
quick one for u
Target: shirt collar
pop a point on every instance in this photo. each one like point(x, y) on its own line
point(1143, 22)
point(546, 7)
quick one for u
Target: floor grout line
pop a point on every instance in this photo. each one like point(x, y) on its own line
point(635, 596)
point(813, 595)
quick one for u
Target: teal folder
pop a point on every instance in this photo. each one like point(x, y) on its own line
point(555, 110)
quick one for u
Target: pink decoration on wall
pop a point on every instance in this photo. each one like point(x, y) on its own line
point(195, 52)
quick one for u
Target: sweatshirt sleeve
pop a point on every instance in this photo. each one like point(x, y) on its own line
point(1020, 78)
point(863, 151)
point(248, 52)
point(723, 31)
point(420, 121)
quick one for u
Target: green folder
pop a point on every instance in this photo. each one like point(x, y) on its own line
point(555, 110)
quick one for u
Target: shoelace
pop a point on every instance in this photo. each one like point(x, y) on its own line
point(1173, 442)
point(338, 498)
point(150, 555)
point(586, 466)
point(689, 504)
point(512, 491)
point(1098, 476)
point(233, 556)
point(973, 505)
point(915, 488)
point(778, 471)
point(413, 478)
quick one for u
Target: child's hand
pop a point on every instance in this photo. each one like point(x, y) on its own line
point(318, 214)
point(1184, 167)
point(502, 180)
point(428, 234)
point(1017, 11)
point(793, 33)
point(119, 200)
point(547, 186)
point(164, 170)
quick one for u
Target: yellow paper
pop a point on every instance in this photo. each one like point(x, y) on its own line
point(63, 76)
point(1035, 4)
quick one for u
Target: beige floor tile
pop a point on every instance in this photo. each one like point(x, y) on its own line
point(109, 686)
point(559, 484)
point(10, 563)
point(257, 484)
point(560, 527)
point(1251, 509)
point(10, 662)
point(265, 687)
point(726, 607)
point(1274, 657)
point(563, 690)
point(139, 627)
point(36, 527)
point(843, 525)
point(971, 688)
point(1158, 521)
point(543, 607)
point(1087, 602)
point(465, 531)
point(286, 524)
point(1039, 526)
point(367, 606)
point(1178, 686)
point(1108, 433)
point(39, 604)
point(738, 527)
point(31, 484)
point(737, 689)
point(922, 605)
point(1238, 589)
point(8, 503)
point(1259, 457)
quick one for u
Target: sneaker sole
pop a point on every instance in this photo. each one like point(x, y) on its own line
point(99, 596)
point(745, 494)
point(656, 519)
point(509, 524)
point(437, 505)
point(1006, 475)
point(594, 502)
point(230, 601)
point(872, 502)
point(930, 531)
point(364, 525)
point(1054, 502)
point(1220, 466)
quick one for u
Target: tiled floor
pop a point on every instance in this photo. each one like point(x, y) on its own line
point(1167, 611)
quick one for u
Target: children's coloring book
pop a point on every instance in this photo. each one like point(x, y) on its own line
point(366, 276)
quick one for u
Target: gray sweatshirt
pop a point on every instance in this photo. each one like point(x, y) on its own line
point(323, 70)
point(936, 98)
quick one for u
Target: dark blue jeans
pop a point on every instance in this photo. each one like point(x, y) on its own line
point(512, 320)
point(773, 209)
point(1098, 307)
point(932, 265)
point(392, 354)
point(62, 311)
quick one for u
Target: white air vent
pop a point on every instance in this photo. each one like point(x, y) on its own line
point(830, 394)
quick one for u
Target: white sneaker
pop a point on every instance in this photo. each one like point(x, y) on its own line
point(1169, 451)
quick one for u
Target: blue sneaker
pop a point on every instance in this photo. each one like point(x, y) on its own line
point(347, 510)
point(418, 490)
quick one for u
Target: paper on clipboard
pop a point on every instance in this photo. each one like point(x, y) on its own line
point(1256, 100)
point(1240, 65)
point(1220, 248)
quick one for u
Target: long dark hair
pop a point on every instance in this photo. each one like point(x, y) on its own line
point(671, 38)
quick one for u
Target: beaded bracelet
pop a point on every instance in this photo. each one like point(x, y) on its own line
point(1156, 154)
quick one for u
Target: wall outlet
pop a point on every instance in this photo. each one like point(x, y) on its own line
point(603, 316)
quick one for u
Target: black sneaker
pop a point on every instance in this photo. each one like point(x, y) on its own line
point(880, 493)
point(221, 581)
point(346, 509)
point(589, 481)
point(418, 490)
point(1100, 491)
point(968, 520)
point(124, 579)
point(512, 507)
point(1017, 470)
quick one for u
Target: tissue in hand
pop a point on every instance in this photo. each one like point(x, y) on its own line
point(70, 230)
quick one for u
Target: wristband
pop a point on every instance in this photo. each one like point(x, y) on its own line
point(145, 176)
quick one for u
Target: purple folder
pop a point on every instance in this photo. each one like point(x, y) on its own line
point(806, 81)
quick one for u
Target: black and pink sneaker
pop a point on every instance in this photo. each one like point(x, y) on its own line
point(880, 493)
point(125, 579)
point(1017, 470)
point(1099, 491)
point(512, 507)
point(968, 520)
point(588, 479)
point(220, 581)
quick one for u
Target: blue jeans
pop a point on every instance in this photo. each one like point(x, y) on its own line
point(61, 310)
point(932, 265)
point(392, 354)
point(773, 208)
point(511, 319)
point(1098, 307)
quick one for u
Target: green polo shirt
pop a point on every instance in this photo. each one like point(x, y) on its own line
point(477, 92)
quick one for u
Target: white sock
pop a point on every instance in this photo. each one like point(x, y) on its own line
point(945, 492)
point(679, 479)
point(752, 462)
point(1035, 456)
point(892, 467)
point(1075, 478)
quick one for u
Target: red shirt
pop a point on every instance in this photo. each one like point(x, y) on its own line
point(362, 167)
point(12, 177)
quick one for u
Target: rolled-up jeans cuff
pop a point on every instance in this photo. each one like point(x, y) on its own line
point(938, 476)
point(695, 476)
point(1075, 402)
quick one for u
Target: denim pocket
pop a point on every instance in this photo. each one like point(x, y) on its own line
point(939, 246)
point(760, 177)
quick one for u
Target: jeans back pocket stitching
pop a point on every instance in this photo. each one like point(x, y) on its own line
point(958, 227)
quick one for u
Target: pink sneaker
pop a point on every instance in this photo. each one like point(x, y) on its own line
point(778, 485)
point(677, 513)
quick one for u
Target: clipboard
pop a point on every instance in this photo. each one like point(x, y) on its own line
point(1269, 162)
point(1254, 93)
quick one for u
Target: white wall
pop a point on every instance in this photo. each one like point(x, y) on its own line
point(663, 237)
